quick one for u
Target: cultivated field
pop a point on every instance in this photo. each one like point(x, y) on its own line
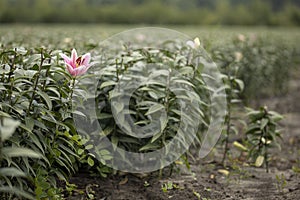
point(59, 108)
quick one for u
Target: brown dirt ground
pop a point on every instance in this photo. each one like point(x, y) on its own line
point(243, 182)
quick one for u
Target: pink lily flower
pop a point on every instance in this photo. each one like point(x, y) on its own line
point(77, 65)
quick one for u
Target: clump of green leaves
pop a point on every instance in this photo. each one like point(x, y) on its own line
point(169, 186)
point(35, 90)
point(167, 81)
point(265, 64)
point(262, 134)
point(12, 175)
point(281, 182)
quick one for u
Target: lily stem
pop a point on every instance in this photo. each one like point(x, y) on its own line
point(36, 81)
point(72, 88)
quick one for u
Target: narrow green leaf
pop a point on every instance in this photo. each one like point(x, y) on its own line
point(108, 130)
point(54, 90)
point(252, 128)
point(240, 83)
point(16, 191)
point(104, 116)
point(107, 83)
point(20, 152)
point(181, 81)
point(263, 124)
point(46, 98)
point(154, 109)
point(163, 123)
point(29, 122)
point(156, 136)
point(11, 171)
point(37, 142)
point(150, 146)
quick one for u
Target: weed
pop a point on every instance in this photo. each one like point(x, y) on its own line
point(281, 182)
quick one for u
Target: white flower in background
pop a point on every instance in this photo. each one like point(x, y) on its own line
point(67, 40)
point(194, 44)
point(238, 56)
point(140, 37)
point(241, 37)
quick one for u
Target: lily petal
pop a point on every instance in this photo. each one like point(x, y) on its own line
point(71, 70)
point(74, 56)
point(70, 65)
point(75, 65)
point(65, 57)
point(69, 62)
point(86, 58)
point(81, 70)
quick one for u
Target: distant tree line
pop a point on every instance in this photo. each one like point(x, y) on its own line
point(208, 12)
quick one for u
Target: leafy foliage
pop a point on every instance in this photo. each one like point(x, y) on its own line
point(12, 176)
point(262, 134)
point(36, 91)
point(234, 88)
point(264, 66)
point(168, 86)
point(40, 143)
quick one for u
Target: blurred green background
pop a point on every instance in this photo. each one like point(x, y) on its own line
point(202, 12)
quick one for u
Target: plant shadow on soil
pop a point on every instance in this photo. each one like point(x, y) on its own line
point(204, 181)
